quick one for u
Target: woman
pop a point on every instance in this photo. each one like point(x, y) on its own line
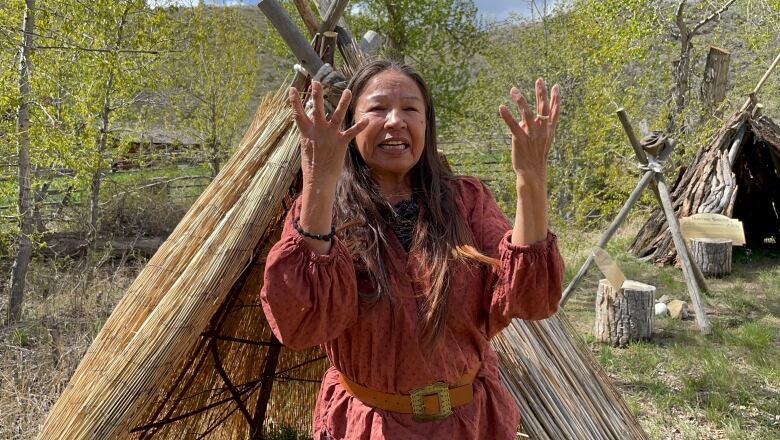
point(423, 271)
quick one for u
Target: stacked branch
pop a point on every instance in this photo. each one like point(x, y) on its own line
point(736, 175)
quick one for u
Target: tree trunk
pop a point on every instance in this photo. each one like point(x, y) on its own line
point(24, 251)
point(713, 255)
point(97, 176)
point(713, 85)
point(681, 80)
point(214, 162)
point(102, 140)
point(396, 40)
point(683, 69)
point(624, 315)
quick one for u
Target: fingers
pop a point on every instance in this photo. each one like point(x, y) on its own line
point(341, 109)
point(353, 131)
point(555, 106)
point(318, 112)
point(522, 105)
point(510, 120)
point(299, 114)
point(542, 105)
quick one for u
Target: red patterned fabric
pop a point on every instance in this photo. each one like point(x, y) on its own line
point(312, 299)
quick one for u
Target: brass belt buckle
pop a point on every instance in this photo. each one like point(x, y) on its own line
point(438, 389)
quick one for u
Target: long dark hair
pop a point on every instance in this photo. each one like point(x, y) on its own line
point(440, 236)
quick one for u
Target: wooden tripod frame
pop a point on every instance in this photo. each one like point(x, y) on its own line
point(652, 165)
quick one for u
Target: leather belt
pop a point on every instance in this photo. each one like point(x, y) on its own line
point(431, 402)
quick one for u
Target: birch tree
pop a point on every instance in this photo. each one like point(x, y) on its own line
point(24, 242)
point(117, 44)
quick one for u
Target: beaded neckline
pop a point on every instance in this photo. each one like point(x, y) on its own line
point(406, 212)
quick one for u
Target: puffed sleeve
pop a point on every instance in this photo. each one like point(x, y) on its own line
point(308, 298)
point(527, 282)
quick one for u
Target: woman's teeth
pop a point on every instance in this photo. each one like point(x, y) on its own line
point(392, 145)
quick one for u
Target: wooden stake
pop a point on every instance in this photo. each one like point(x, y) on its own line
point(640, 153)
point(345, 44)
point(752, 97)
point(648, 176)
point(266, 385)
point(683, 253)
point(328, 46)
point(333, 15)
point(737, 144)
point(716, 72)
point(766, 75)
point(295, 40)
point(307, 15)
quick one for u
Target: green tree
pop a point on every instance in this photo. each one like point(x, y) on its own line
point(115, 46)
point(440, 38)
point(600, 52)
point(212, 80)
point(24, 244)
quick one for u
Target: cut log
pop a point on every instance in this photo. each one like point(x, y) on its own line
point(624, 315)
point(716, 73)
point(712, 255)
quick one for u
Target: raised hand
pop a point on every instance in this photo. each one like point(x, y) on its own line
point(323, 143)
point(533, 135)
point(531, 141)
point(323, 146)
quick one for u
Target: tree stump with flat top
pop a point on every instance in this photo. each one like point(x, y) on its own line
point(624, 315)
point(713, 255)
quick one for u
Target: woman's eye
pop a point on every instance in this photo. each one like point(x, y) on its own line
point(376, 108)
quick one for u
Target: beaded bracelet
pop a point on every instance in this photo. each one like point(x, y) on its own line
point(305, 233)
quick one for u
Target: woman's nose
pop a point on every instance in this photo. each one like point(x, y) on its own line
point(395, 119)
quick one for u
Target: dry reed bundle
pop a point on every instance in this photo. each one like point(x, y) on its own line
point(172, 301)
point(237, 350)
point(561, 390)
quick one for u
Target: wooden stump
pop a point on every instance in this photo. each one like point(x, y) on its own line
point(624, 315)
point(713, 255)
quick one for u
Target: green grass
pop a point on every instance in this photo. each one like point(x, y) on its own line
point(682, 384)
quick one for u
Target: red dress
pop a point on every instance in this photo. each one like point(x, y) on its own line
point(312, 299)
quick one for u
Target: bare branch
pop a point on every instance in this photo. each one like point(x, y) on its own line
point(680, 20)
point(713, 16)
point(92, 49)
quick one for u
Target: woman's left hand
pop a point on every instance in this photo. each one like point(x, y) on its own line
point(533, 135)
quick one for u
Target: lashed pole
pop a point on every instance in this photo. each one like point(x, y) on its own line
point(642, 158)
point(683, 253)
point(613, 227)
point(291, 35)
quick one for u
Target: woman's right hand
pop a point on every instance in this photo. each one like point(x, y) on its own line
point(323, 143)
point(323, 147)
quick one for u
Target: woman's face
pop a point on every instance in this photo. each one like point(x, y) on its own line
point(394, 139)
